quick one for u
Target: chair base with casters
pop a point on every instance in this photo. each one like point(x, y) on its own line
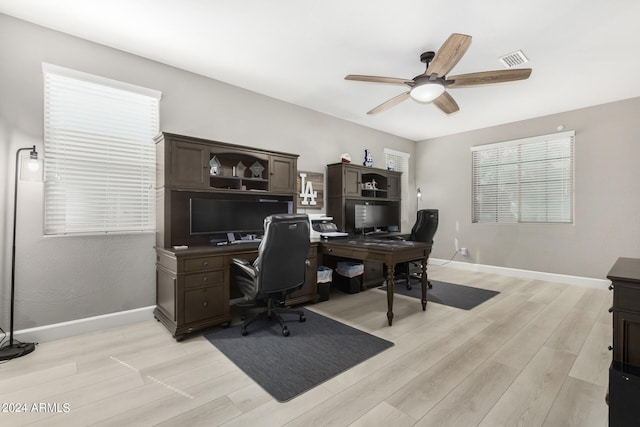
point(274, 310)
point(407, 275)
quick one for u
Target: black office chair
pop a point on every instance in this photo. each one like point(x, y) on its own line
point(280, 268)
point(423, 230)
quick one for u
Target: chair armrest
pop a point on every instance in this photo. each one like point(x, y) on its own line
point(245, 266)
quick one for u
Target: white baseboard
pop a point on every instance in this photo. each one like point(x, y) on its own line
point(525, 274)
point(57, 331)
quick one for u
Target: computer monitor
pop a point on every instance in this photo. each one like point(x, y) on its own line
point(374, 216)
point(215, 216)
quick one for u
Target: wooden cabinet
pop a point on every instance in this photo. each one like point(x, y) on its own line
point(200, 164)
point(394, 187)
point(351, 181)
point(282, 177)
point(188, 165)
point(624, 374)
point(194, 285)
point(349, 185)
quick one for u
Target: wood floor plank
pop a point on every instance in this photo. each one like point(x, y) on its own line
point(419, 395)
point(384, 415)
point(355, 401)
point(573, 331)
point(594, 359)
point(528, 400)
point(536, 354)
point(473, 398)
point(519, 350)
point(579, 404)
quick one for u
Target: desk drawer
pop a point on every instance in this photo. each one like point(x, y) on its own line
point(626, 297)
point(208, 278)
point(205, 303)
point(203, 263)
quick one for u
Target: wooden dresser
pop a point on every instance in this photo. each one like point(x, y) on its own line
point(624, 374)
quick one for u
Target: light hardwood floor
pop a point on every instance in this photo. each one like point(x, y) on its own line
point(534, 355)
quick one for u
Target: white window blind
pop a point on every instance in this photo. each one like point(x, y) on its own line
point(399, 161)
point(99, 154)
point(524, 181)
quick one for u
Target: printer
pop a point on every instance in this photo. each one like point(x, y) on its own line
point(323, 227)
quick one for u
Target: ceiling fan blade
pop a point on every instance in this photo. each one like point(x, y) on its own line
point(376, 79)
point(446, 103)
point(449, 54)
point(390, 103)
point(486, 77)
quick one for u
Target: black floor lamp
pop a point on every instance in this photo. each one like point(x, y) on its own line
point(14, 349)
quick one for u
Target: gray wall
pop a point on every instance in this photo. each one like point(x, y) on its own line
point(607, 195)
point(67, 278)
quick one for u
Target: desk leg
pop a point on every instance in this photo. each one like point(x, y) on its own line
point(390, 286)
point(424, 283)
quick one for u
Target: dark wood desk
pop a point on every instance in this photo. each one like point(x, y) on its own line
point(388, 251)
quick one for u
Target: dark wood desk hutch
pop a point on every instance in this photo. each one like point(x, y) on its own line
point(349, 185)
point(194, 284)
point(624, 374)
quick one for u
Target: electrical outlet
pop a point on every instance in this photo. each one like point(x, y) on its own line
point(464, 251)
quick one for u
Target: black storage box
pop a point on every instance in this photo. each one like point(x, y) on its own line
point(624, 389)
point(349, 285)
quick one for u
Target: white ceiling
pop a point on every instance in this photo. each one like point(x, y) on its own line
point(583, 52)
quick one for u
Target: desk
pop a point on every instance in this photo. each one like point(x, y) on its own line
point(193, 285)
point(388, 251)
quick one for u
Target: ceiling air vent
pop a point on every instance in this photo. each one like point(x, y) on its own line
point(513, 59)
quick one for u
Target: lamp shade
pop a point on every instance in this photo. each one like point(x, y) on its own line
point(426, 92)
point(30, 168)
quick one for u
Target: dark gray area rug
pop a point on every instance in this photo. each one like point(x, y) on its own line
point(459, 296)
point(285, 367)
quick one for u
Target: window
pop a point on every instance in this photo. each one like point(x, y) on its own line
point(524, 181)
point(399, 161)
point(99, 154)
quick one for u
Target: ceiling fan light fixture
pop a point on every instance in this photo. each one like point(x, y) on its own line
point(427, 91)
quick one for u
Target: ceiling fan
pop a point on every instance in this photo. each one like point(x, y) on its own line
point(430, 85)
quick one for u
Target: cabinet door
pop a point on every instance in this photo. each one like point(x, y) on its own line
point(282, 178)
point(166, 292)
point(189, 165)
point(352, 181)
point(626, 337)
point(393, 184)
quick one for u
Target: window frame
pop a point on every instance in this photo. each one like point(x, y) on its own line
point(80, 139)
point(389, 154)
point(517, 174)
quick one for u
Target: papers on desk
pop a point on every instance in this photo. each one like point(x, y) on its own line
point(333, 234)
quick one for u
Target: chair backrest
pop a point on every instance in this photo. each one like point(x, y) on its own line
point(282, 253)
point(426, 225)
